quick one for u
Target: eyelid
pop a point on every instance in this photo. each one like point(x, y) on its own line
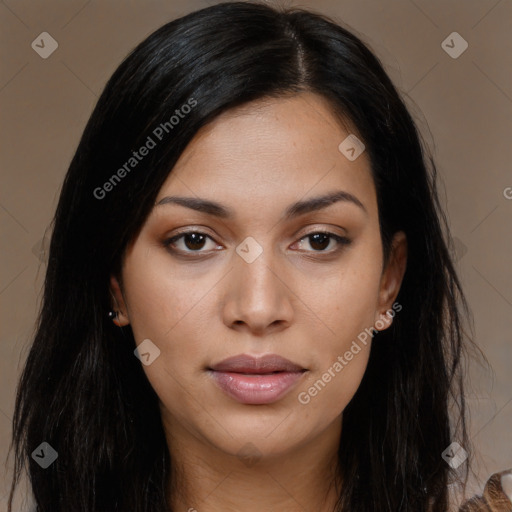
point(316, 228)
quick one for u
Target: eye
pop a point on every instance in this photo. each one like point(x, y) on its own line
point(319, 241)
point(193, 241)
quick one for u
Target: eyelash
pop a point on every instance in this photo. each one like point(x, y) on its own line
point(341, 240)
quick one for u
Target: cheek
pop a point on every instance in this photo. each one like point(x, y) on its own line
point(333, 386)
point(345, 300)
point(166, 309)
point(338, 370)
point(347, 304)
point(159, 298)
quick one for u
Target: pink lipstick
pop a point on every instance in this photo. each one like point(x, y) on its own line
point(254, 381)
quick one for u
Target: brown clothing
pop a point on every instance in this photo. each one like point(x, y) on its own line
point(493, 499)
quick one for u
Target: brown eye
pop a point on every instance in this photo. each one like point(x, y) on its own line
point(194, 241)
point(191, 241)
point(321, 240)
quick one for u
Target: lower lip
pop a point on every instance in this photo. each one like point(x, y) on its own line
point(258, 388)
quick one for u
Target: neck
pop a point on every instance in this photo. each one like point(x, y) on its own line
point(207, 479)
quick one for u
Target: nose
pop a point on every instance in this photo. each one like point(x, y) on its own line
point(258, 298)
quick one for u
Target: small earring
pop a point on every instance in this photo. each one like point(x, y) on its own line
point(112, 314)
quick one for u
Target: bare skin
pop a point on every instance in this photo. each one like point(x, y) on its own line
point(302, 298)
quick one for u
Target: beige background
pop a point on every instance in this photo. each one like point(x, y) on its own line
point(466, 103)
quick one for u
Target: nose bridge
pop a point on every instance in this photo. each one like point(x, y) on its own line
point(255, 264)
point(258, 295)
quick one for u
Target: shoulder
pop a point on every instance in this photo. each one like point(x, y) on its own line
point(496, 497)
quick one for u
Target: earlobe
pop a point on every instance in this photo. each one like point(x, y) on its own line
point(392, 277)
point(120, 316)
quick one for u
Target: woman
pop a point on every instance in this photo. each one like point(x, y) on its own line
point(249, 302)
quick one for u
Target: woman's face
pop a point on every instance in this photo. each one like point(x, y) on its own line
point(251, 279)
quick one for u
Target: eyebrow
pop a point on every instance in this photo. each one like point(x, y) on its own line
point(294, 210)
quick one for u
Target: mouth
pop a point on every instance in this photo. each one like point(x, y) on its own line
point(256, 381)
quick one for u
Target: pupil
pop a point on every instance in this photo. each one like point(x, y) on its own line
point(315, 242)
point(196, 242)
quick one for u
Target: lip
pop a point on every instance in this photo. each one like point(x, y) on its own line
point(261, 380)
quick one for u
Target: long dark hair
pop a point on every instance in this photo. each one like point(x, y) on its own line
point(83, 391)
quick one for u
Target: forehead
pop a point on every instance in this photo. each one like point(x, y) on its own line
point(271, 151)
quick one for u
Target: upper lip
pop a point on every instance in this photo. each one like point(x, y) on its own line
point(245, 363)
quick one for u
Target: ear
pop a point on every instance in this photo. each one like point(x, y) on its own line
point(118, 303)
point(391, 279)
